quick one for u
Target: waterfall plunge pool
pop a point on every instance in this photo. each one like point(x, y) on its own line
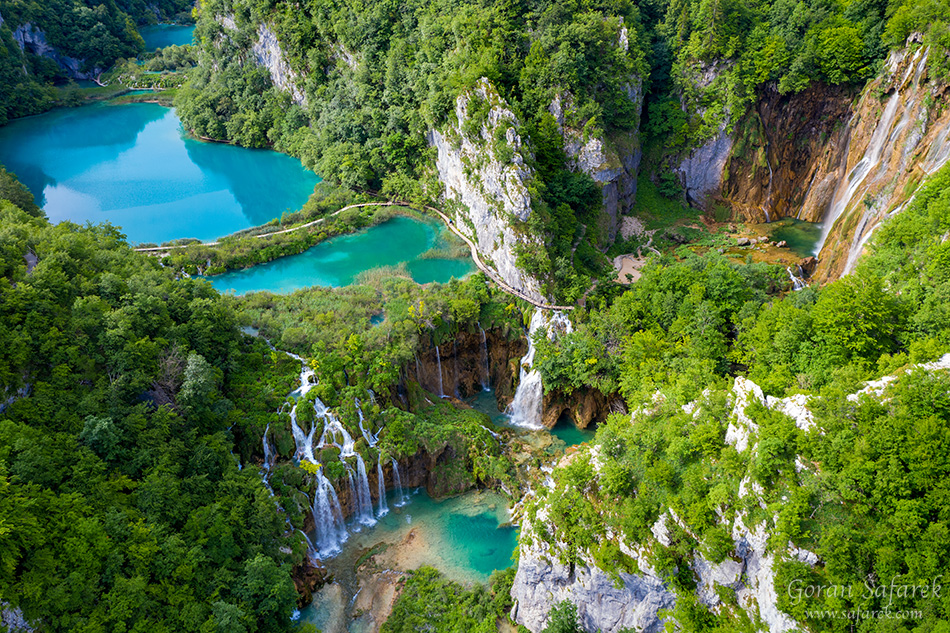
point(802, 237)
point(465, 537)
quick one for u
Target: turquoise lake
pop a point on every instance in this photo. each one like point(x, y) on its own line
point(340, 260)
point(162, 35)
point(134, 166)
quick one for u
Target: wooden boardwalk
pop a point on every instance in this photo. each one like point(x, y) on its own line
point(489, 272)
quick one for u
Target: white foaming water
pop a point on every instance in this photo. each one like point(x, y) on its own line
point(872, 157)
point(381, 489)
point(397, 481)
point(797, 282)
point(525, 409)
point(438, 358)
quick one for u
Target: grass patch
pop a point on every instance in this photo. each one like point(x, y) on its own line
point(656, 210)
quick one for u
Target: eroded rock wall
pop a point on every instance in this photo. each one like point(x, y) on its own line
point(32, 39)
point(612, 161)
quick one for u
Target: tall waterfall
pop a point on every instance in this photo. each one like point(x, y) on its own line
point(848, 187)
point(525, 408)
point(268, 453)
point(381, 489)
point(328, 517)
point(397, 481)
point(486, 374)
point(438, 358)
point(364, 497)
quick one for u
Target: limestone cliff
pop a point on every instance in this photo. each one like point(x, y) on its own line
point(787, 150)
point(635, 598)
point(268, 54)
point(481, 162)
point(701, 169)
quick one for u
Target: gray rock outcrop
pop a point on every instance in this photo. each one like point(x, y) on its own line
point(612, 163)
point(491, 189)
point(32, 39)
point(701, 172)
point(541, 582)
point(268, 53)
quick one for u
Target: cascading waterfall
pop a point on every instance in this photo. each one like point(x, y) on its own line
point(268, 453)
point(365, 514)
point(797, 282)
point(438, 358)
point(486, 373)
point(381, 489)
point(397, 481)
point(525, 408)
point(369, 437)
point(328, 517)
point(418, 379)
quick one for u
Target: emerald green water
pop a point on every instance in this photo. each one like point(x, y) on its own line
point(162, 35)
point(340, 260)
point(133, 165)
point(801, 236)
point(486, 402)
point(462, 537)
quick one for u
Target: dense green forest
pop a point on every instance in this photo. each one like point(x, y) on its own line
point(876, 491)
point(133, 408)
point(96, 33)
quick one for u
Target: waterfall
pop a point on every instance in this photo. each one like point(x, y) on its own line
point(418, 380)
point(797, 282)
point(848, 187)
point(486, 375)
point(311, 550)
point(327, 517)
point(438, 358)
point(365, 513)
point(397, 481)
point(525, 408)
point(268, 454)
point(381, 489)
point(369, 437)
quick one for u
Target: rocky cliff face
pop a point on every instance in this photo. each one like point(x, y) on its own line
point(268, 54)
point(823, 156)
point(480, 161)
point(541, 582)
point(635, 598)
point(701, 170)
point(32, 39)
point(787, 150)
point(611, 161)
